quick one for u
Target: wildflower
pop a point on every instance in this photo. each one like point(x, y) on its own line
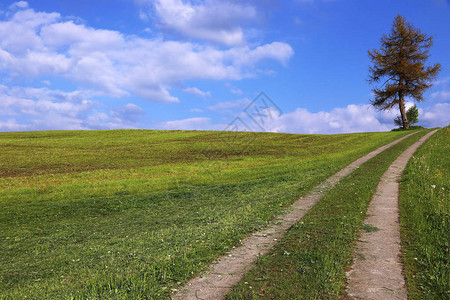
point(433, 186)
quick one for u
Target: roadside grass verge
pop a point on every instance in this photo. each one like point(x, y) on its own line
point(311, 259)
point(425, 219)
point(130, 214)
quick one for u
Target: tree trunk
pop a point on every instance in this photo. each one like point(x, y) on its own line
point(401, 104)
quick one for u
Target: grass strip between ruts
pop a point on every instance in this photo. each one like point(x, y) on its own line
point(425, 219)
point(311, 260)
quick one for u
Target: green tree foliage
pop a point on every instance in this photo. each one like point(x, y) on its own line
point(412, 114)
point(399, 64)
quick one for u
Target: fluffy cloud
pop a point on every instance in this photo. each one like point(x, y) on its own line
point(11, 125)
point(45, 109)
point(443, 96)
point(230, 106)
point(349, 119)
point(192, 124)
point(212, 20)
point(245, 56)
point(129, 113)
point(442, 93)
point(437, 115)
point(34, 44)
point(353, 118)
point(196, 91)
point(19, 4)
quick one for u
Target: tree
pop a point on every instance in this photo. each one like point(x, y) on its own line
point(412, 114)
point(400, 61)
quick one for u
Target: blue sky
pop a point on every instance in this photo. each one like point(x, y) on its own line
point(198, 64)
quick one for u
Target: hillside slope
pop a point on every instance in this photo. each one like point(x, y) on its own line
point(133, 213)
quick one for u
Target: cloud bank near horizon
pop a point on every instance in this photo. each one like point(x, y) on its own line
point(350, 119)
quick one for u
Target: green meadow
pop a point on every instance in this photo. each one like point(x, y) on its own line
point(132, 214)
point(425, 219)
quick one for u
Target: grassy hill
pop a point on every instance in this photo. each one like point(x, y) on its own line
point(133, 213)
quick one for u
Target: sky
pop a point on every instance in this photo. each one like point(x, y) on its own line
point(298, 66)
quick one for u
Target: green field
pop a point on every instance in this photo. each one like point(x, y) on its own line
point(130, 214)
point(425, 219)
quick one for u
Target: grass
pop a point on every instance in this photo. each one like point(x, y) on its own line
point(311, 260)
point(410, 128)
point(130, 214)
point(369, 228)
point(425, 219)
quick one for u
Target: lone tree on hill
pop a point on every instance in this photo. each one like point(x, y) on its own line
point(400, 61)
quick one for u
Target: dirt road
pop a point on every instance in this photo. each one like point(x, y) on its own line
point(377, 270)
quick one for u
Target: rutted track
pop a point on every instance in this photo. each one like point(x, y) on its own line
point(377, 270)
point(229, 269)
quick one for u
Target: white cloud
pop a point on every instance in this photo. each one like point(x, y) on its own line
point(233, 89)
point(34, 44)
point(213, 20)
point(45, 109)
point(236, 91)
point(442, 81)
point(129, 113)
point(19, 4)
point(192, 124)
point(437, 115)
point(245, 56)
point(441, 96)
point(349, 119)
point(196, 91)
point(441, 90)
point(353, 118)
point(18, 33)
point(81, 39)
point(11, 125)
point(230, 106)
